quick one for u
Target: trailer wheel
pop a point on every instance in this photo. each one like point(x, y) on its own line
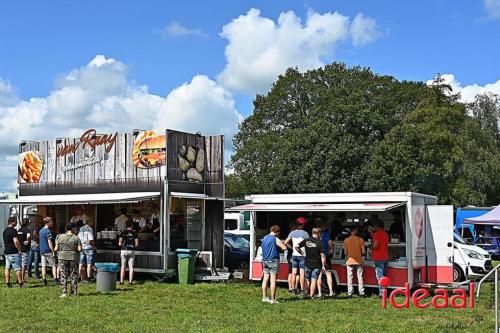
point(458, 274)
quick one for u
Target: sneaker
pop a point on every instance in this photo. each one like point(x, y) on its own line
point(22, 285)
point(57, 281)
point(64, 295)
point(266, 300)
point(291, 291)
point(132, 283)
point(296, 291)
point(349, 296)
point(121, 283)
point(74, 294)
point(85, 281)
point(273, 301)
point(318, 296)
point(38, 276)
point(9, 285)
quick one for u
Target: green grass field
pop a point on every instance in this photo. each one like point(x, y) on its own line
point(220, 307)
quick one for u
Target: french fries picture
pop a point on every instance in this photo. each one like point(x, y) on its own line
point(31, 167)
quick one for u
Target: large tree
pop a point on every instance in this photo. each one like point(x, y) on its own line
point(314, 131)
point(438, 150)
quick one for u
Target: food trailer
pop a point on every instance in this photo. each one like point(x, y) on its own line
point(421, 241)
point(170, 183)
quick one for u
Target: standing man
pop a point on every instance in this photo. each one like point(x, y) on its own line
point(47, 250)
point(327, 244)
point(298, 260)
point(354, 248)
point(129, 242)
point(25, 240)
point(380, 251)
point(270, 262)
point(34, 253)
point(67, 247)
point(86, 236)
point(315, 260)
point(121, 221)
point(12, 250)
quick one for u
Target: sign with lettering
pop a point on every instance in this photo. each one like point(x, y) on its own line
point(90, 138)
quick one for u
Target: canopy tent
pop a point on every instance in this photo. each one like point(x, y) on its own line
point(490, 218)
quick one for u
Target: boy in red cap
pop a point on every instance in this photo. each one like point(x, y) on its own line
point(298, 259)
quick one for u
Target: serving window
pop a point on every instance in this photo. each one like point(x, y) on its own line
point(339, 225)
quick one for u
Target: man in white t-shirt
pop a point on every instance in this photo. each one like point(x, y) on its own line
point(86, 236)
point(298, 259)
point(121, 221)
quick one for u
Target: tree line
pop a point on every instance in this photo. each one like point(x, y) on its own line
point(347, 129)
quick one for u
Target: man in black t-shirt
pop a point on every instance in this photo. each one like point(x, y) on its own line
point(315, 260)
point(25, 240)
point(12, 248)
point(128, 241)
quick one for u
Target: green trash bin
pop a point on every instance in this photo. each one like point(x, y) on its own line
point(185, 265)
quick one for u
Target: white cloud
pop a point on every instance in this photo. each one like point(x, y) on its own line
point(176, 29)
point(469, 92)
point(100, 95)
point(364, 30)
point(200, 105)
point(492, 7)
point(8, 93)
point(259, 49)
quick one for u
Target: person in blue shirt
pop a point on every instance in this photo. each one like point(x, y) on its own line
point(47, 249)
point(270, 262)
point(328, 251)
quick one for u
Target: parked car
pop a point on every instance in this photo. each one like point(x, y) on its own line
point(470, 261)
point(236, 251)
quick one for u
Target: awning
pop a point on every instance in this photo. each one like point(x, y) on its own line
point(81, 199)
point(186, 195)
point(355, 207)
point(490, 218)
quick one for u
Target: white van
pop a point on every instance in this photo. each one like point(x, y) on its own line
point(469, 261)
point(235, 223)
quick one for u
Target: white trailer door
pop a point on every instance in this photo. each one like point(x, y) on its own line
point(439, 244)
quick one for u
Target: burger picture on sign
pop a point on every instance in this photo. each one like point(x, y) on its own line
point(149, 150)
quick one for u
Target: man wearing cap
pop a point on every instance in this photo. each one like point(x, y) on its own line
point(298, 259)
point(270, 262)
point(12, 252)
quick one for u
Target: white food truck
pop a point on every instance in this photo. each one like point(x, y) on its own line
point(420, 231)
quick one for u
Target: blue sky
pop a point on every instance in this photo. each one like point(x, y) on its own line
point(168, 59)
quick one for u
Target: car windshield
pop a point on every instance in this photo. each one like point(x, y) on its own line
point(459, 239)
point(236, 241)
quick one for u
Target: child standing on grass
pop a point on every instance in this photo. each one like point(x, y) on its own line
point(68, 247)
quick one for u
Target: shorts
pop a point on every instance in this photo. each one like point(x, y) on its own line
point(312, 273)
point(127, 256)
point(328, 263)
point(271, 266)
point(298, 262)
point(13, 261)
point(24, 259)
point(87, 257)
point(48, 259)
